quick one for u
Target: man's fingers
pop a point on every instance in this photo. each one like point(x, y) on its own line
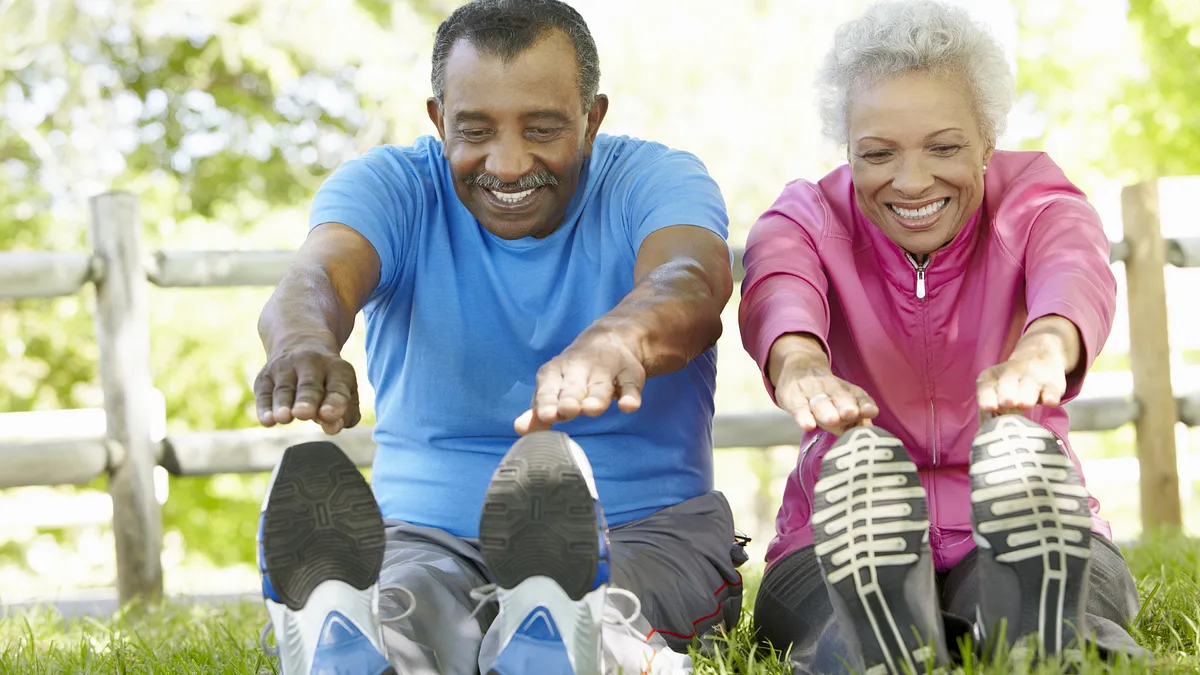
point(524, 422)
point(264, 397)
point(310, 391)
point(529, 422)
point(331, 428)
point(599, 394)
point(284, 394)
point(629, 389)
point(341, 388)
point(549, 386)
point(575, 379)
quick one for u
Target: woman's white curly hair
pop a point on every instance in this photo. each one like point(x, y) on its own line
point(895, 37)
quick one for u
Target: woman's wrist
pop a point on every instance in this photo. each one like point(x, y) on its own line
point(793, 351)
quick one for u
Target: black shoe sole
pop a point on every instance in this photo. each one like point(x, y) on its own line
point(321, 523)
point(870, 527)
point(1029, 504)
point(539, 518)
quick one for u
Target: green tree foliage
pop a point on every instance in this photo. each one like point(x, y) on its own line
point(1121, 102)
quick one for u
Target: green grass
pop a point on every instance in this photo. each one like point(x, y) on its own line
point(223, 639)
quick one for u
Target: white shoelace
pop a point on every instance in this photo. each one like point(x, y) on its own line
point(269, 629)
point(612, 614)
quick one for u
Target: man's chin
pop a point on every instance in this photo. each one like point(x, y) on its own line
point(512, 230)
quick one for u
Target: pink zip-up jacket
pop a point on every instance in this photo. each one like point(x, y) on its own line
point(916, 339)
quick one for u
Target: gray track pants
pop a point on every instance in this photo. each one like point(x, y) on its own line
point(793, 607)
point(680, 562)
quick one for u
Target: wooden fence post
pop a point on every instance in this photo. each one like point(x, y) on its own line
point(123, 336)
point(1150, 357)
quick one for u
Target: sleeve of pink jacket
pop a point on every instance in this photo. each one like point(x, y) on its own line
point(1067, 269)
point(785, 286)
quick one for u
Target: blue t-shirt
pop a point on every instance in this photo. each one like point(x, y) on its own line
point(462, 320)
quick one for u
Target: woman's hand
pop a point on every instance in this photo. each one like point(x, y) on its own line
point(1035, 373)
point(807, 389)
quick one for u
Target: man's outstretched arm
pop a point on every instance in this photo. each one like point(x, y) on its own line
point(673, 314)
point(304, 326)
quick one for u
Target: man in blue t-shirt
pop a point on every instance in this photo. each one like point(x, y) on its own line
point(519, 272)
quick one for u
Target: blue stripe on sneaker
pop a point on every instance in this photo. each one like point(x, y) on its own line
point(268, 589)
point(343, 650)
point(536, 647)
point(603, 572)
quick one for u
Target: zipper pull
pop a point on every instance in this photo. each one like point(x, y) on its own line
point(921, 282)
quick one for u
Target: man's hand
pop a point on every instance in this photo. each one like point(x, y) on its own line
point(585, 378)
point(308, 384)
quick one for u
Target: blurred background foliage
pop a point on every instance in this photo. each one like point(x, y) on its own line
point(224, 116)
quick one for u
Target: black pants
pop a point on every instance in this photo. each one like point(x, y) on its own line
point(793, 607)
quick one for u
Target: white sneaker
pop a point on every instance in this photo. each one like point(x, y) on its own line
point(320, 548)
point(544, 538)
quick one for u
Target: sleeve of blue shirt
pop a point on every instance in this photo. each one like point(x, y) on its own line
point(377, 195)
point(673, 189)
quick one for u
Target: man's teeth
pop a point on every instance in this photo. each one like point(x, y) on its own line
point(512, 197)
point(923, 212)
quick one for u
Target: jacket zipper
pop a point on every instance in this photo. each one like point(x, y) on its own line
point(920, 268)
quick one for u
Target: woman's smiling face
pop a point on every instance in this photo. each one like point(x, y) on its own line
point(917, 155)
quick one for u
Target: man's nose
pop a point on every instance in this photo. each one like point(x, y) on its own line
point(509, 158)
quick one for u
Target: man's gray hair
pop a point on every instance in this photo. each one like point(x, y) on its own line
point(895, 37)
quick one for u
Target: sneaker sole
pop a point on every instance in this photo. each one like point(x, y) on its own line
point(1028, 503)
point(321, 523)
point(539, 517)
point(870, 526)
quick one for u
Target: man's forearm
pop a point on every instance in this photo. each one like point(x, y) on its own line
point(304, 311)
point(672, 316)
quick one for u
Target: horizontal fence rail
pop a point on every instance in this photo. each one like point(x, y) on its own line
point(209, 453)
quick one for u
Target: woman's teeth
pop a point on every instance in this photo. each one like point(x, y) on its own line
point(923, 212)
point(512, 197)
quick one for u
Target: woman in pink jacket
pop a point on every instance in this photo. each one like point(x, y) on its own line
point(931, 284)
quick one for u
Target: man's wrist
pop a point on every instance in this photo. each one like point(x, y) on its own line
point(306, 342)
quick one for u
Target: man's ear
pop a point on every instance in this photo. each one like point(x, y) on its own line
point(594, 118)
point(434, 108)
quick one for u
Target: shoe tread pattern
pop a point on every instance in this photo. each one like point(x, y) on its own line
point(870, 525)
point(321, 523)
point(539, 518)
point(1029, 504)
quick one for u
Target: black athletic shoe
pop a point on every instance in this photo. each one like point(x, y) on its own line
point(871, 530)
point(320, 548)
point(1032, 523)
point(545, 541)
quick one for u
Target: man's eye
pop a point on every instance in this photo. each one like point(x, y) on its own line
point(474, 134)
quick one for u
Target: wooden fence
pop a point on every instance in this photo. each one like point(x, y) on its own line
point(128, 453)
